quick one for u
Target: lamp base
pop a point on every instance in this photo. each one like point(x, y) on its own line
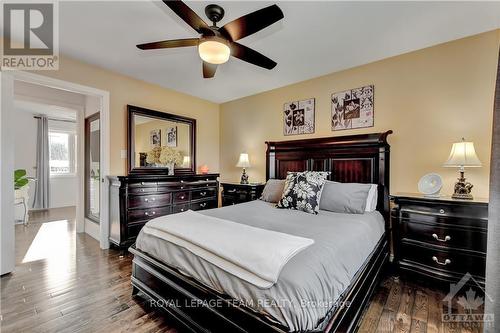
point(462, 188)
point(244, 177)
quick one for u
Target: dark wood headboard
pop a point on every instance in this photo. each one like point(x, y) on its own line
point(360, 158)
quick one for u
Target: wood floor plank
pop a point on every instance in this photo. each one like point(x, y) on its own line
point(373, 313)
point(404, 314)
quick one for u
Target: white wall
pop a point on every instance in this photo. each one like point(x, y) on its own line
point(63, 190)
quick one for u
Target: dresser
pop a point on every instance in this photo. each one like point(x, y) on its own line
point(235, 193)
point(439, 239)
point(136, 199)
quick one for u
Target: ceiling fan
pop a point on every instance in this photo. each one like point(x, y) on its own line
point(216, 44)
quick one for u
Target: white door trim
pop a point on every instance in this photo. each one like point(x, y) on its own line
point(7, 231)
point(105, 145)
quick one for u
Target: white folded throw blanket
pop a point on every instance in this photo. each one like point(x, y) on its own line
point(253, 254)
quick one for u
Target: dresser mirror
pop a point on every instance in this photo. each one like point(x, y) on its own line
point(160, 143)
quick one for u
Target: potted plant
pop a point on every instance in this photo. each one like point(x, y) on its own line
point(20, 179)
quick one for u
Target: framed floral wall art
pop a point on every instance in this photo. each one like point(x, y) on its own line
point(352, 108)
point(298, 117)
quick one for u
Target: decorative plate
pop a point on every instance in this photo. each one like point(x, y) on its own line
point(430, 184)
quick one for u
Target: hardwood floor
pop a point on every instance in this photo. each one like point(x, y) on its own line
point(402, 306)
point(63, 282)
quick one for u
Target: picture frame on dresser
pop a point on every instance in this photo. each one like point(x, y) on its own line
point(439, 239)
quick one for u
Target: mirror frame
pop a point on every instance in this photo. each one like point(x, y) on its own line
point(135, 110)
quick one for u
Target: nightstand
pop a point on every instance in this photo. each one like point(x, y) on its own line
point(440, 239)
point(235, 193)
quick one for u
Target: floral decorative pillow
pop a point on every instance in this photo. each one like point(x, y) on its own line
point(303, 191)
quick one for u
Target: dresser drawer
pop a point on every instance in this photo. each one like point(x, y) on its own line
point(148, 201)
point(203, 184)
point(203, 193)
point(204, 205)
point(459, 209)
point(180, 208)
point(136, 215)
point(142, 189)
point(182, 196)
point(455, 237)
point(446, 259)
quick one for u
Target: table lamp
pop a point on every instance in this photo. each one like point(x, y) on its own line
point(243, 162)
point(462, 155)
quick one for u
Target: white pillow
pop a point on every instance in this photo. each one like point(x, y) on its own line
point(371, 200)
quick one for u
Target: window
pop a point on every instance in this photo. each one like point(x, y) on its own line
point(62, 150)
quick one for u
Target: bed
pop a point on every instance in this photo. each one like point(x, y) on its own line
point(324, 288)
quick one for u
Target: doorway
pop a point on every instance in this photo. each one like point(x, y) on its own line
point(7, 131)
point(92, 167)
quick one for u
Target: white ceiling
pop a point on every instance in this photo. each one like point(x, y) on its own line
point(315, 38)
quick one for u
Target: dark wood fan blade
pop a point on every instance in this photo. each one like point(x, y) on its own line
point(187, 15)
point(209, 70)
point(251, 23)
point(166, 44)
point(247, 54)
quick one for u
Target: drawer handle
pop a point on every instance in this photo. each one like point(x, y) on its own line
point(203, 205)
point(441, 211)
point(147, 199)
point(182, 187)
point(182, 209)
point(142, 183)
point(182, 197)
point(203, 194)
point(150, 214)
point(231, 191)
point(446, 238)
point(446, 262)
point(142, 190)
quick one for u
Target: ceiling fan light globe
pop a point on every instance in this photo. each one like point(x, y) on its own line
point(214, 51)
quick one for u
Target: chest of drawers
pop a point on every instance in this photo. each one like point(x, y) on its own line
point(235, 193)
point(440, 239)
point(136, 199)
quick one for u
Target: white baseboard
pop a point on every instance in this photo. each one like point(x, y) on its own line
point(92, 229)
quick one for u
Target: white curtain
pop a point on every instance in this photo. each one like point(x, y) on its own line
point(493, 252)
point(41, 197)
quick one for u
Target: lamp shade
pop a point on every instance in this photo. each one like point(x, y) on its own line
point(243, 161)
point(463, 154)
point(214, 50)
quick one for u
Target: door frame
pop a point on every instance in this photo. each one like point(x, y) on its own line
point(86, 161)
point(103, 96)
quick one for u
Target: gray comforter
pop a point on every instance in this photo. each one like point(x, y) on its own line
point(309, 284)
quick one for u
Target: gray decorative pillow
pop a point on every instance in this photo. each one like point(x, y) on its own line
point(303, 191)
point(344, 197)
point(273, 190)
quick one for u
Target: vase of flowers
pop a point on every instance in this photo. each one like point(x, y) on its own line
point(164, 157)
point(170, 157)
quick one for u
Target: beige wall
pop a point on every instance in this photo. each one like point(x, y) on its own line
point(126, 90)
point(429, 98)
